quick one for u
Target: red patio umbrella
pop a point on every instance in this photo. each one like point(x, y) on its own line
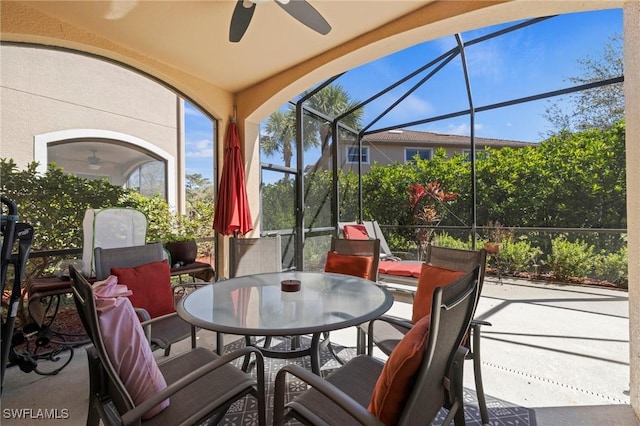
point(232, 209)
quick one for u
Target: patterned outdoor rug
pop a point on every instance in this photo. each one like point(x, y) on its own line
point(244, 412)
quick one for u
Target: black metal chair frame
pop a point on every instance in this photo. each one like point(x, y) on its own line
point(451, 258)
point(169, 329)
point(110, 401)
point(438, 382)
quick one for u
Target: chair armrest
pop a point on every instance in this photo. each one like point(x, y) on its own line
point(145, 319)
point(399, 288)
point(341, 399)
point(395, 321)
point(146, 324)
point(133, 416)
point(160, 318)
point(477, 323)
point(475, 337)
point(402, 322)
point(143, 314)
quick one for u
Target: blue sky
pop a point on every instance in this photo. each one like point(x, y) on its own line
point(199, 142)
point(525, 62)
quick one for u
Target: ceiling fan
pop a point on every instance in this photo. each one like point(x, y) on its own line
point(299, 9)
point(94, 161)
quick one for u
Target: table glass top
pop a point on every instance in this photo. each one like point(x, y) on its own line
point(255, 305)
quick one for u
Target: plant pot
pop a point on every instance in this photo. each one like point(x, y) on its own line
point(492, 248)
point(182, 252)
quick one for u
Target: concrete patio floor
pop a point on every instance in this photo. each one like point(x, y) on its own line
point(562, 350)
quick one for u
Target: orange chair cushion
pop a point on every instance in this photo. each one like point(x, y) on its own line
point(151, 287)
point(401, 269)
point(396, 381)
point(355, 232)
point(358, 266)
point(430, 278)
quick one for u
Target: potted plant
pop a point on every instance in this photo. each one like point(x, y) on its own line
point(496, 234)
point(492, 247)
point(180, 240)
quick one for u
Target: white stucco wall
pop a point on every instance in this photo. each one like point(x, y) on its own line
point(632, 112)
point(43, 91)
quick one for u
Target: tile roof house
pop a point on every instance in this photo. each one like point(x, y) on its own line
point(400, 146)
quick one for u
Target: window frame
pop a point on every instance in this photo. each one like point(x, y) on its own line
point(364, 152)
point(417, 149)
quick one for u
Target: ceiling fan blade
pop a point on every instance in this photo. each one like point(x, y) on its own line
point(306, 14)
point(240, 20)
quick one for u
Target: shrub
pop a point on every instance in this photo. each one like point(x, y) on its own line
point(570, 259)
point(398, 243)
point(445, 240)
point(54, 203)
point(164, 225)
point(613, 267)
point(515, 256)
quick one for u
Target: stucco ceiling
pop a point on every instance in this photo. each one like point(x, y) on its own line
point(194, 35)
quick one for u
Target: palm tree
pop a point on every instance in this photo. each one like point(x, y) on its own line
point(280, 135)
point(332, 101)
point(280, 130)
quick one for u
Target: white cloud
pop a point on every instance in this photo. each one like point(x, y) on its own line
point(444, 44)
point(486, 60)
point(461, 129)
point(483, 59)
point(202, 148)
point(411, 108)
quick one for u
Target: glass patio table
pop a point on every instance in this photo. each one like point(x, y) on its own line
point(255, 305)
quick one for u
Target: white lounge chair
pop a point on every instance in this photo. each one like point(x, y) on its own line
point(400, 275)
point(375, 233)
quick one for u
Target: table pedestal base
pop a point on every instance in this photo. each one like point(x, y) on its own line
point(312, 351)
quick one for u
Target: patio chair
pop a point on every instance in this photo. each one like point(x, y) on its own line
point(394, 272)
point(198, 383)
point(368, 248)
point(368, 230)
point(348, 250)
point(424, 375)
point(248, 256)
point(167, 328)
point(387, 331)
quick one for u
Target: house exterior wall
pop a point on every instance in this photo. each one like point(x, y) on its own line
point(382, 154)
point(389, 153)
point(44, 91)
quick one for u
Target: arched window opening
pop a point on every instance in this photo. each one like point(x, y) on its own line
point(119, 161)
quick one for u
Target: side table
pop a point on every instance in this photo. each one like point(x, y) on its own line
point(199, 270)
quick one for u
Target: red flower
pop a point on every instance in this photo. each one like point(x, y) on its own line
point(416, 194)
point(427, 212)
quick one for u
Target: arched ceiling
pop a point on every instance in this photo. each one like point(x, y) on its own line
point(186, 45)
